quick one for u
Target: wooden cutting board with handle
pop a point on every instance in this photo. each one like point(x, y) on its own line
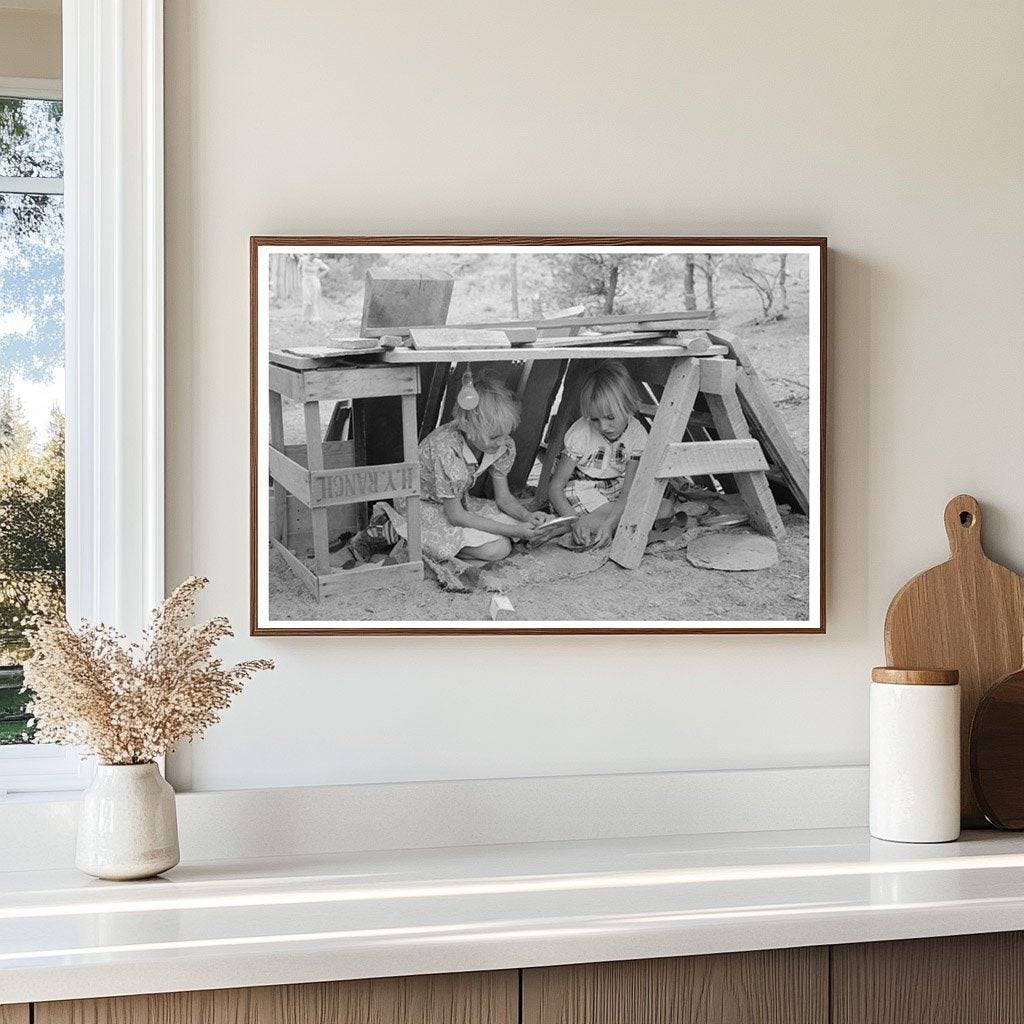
point(967, 614)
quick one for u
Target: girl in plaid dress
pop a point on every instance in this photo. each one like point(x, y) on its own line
point(601, 452)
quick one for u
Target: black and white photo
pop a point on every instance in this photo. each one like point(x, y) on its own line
point(537, 435)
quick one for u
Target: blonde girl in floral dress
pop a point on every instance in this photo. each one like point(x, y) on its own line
point(452, 458)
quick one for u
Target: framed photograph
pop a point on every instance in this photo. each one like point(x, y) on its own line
point(537, 435)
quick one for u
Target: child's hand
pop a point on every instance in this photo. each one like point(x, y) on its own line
point(603, 534)
point(524, 531)
point(582, 530)
point(538, 519)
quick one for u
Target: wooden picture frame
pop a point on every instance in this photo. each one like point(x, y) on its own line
point(369, 449)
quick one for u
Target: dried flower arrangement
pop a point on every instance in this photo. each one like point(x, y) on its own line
point(130, 703)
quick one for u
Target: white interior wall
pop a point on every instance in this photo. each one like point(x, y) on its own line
point(895, 129)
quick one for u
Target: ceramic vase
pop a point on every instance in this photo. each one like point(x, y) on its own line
point(127, 825)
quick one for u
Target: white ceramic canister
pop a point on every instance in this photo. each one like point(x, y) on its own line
point(915, 755)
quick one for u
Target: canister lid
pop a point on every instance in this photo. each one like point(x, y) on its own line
point(916, 676)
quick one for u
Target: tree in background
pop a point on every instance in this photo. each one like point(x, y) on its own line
point(513, 275)
point(710, 266)
point(767, 276)
point(601, 281)
point(689, 299)
point(31, 526)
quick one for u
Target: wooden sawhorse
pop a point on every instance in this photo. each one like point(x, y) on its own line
point(319, 486)
point(667, 455)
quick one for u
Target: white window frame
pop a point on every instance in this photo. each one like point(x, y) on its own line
point(114, 334)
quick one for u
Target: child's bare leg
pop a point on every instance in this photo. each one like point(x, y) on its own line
point(665, 510)
point(492, 551)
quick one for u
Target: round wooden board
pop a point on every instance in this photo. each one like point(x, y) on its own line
point(997, 753)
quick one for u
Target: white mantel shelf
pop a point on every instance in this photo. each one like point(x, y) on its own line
point(264, 922)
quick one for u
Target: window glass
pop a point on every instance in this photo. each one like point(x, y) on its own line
point(31, 388)
point(31, 138)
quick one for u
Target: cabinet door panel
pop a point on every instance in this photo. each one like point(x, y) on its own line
point(960, 979)
point(482, 998)
point(14, 1013)
point(778, 986)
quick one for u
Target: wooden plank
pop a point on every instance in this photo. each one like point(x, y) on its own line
point(315, 462)
point(569, 312)
point(477, 998)
point(362, 413)
point(289, 473)
point(364, 483)
point(773, 986)
point(357, 382)
point(539, 385)
point(397, 299)
point(563, 321)
point(731, 426)
point(303, 572)
point(959, 979)
point(369, 577)
point(612, 328)
point(538, 390)
point(686, 458)
point(291, 361)
point(568, 412)
point(618, 338)
point(428, 339)
point(521, 335)
point(670, 325)
point(434, 397)
point(411, 356)
point(285, 382)
point(412, 512)
point(696, 344)
point(767, 425)
point(340, 415)
point(718, 376)
point(277, 443)
point(14, 1013)
point(765, 422)
point(648, 488)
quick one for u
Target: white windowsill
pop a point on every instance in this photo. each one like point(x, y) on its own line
point(42, 771)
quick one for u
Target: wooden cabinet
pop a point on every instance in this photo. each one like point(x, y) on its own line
point(490, 998)
point(962, 979)
point(777, 986)
point(970, 979)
